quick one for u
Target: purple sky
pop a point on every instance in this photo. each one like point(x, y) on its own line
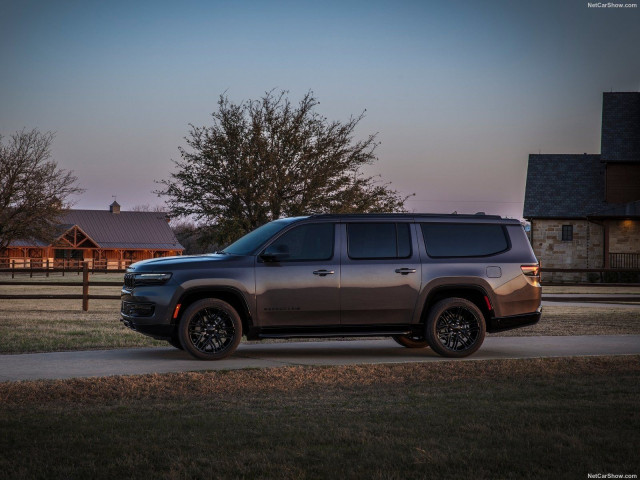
point(460, 92)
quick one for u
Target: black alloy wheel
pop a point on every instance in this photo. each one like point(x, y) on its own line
point(210, 329)
point(455, 327)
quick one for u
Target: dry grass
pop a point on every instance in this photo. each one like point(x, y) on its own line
point(539, 418)
point(58, 325)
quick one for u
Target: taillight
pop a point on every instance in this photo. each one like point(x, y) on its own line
point(531, 270)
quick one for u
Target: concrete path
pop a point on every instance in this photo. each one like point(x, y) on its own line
point(162, 360)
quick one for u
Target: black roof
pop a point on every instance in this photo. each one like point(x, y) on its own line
point(620, 127)
point(564, 186)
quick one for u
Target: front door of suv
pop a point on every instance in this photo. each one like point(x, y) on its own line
point(381, 273)
point(301, 288)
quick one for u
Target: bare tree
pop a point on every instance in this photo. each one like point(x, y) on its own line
point(263, 159)
point(145, 207)
point(33, 190)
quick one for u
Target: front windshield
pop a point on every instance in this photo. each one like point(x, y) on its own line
point(253, 240)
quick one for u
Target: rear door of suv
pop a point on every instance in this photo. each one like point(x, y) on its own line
point(381, 272)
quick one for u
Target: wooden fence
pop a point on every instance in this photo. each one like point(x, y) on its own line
point(85, 296)
point(85, 284)
point(61, 265)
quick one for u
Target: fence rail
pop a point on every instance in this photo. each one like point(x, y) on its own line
point(85, 284)
point(61, 265)
point(624, 260)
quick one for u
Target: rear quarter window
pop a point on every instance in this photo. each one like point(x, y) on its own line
point(463, 240)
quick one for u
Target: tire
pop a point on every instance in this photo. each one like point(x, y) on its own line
point(455, 328)
point(210, 329)
point(411, 341)
point(175, 342)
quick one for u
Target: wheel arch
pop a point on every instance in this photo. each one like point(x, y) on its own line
point(474, 293)
point(228, 294)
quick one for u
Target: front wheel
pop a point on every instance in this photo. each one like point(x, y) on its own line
point(455, 327)
point(411, 341)
point(210, 329)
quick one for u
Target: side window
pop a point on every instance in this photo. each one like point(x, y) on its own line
point(463, 240)
point(305, 243)
point(378, 240)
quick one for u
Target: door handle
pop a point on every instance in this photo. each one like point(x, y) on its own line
point(323, 273)
point(405, 271)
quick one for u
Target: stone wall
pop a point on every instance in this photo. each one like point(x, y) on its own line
point(624, 236)
point(584, 251)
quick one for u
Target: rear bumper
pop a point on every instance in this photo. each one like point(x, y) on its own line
point(500, 324)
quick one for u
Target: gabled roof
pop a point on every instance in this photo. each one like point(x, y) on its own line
point(148, 230)
point(620, 127)
point(564, 186)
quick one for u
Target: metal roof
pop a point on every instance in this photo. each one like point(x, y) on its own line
point(148, 230)
point(124, 230)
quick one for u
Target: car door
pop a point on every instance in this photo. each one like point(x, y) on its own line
point(300, 284)
point(381, 273)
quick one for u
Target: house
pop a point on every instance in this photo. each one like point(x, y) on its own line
point(105, 238)
point(585, 209)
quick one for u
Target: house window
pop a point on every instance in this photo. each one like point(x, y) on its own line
point(567, 233)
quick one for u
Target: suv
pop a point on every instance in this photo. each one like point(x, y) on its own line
point(423, 279)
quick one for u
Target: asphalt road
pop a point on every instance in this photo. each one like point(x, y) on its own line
point(98, 363)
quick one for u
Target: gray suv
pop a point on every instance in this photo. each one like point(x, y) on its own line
point(439, 281)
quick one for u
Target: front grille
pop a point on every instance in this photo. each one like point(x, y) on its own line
point(129, 281)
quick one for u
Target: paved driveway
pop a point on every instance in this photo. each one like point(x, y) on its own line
point(99, 363)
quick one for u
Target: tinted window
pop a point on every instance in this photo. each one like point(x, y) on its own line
point(463, 240)
point(253, 240)
point(305, 243)
point(379, 240)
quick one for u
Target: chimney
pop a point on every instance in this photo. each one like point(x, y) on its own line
point(114, 207)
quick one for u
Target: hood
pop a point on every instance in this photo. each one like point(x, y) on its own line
point(181, 262)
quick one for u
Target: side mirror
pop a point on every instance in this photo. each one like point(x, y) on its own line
point(275, 253)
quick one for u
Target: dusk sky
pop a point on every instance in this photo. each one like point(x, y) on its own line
point(459, 91)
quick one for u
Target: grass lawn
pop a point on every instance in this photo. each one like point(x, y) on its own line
point(529, 419)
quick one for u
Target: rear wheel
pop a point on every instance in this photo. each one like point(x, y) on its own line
point(210, 329)
point(411, 341)
point(455, 327)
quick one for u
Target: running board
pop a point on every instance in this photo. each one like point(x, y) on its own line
point(335, 333)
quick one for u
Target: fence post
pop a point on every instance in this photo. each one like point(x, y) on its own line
point(47, 267)
point(13, 269)
point(85, 286)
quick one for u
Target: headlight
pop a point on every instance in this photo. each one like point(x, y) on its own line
point(150, 278)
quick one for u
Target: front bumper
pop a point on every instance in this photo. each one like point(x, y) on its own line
point(147, 310)
point(160, 332)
